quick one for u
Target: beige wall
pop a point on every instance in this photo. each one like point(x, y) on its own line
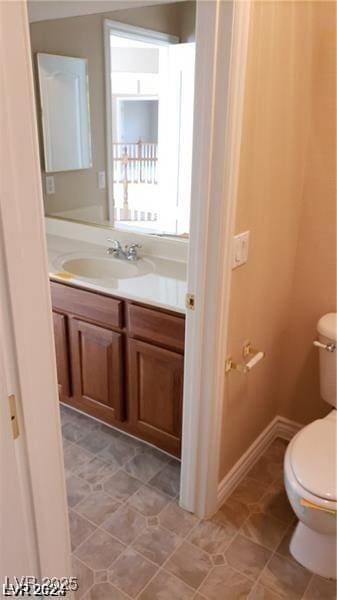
point(83, 37)
point(314, 281)
point(286, 200)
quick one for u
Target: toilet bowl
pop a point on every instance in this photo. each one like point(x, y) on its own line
point(310, 469)
point(310, 481)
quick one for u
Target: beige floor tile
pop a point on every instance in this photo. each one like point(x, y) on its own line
point(125, 524)
point(156, 544)
point(264, 529)
point(218, 559)
point(144, 466)
point(97, 507)
point(247, 557)
point(234, 511)
point(168, 479)
point(96, 440)
point(99, 550)
point(148, 501)
point(120, 449)
point(178, 520)
point(84, 575)
point(65, 412)
point(81, 419)
point(261, 593)
point(223, 583)
point(131, 572)
point(212, 536)
point(276, 504)
point(266, 470)
point(144, 448)
point(190, 564)
point(80, 529)
point(166, 587)
point(249, 491)
point(96, 471)
point(101, 576)
point(283, 547)
point(285, 577)
point(75, 457)
point(77, 490)
point(105, 591)
point(276, 450)
point(73, 432)
point(121, 486)
point(321, 589)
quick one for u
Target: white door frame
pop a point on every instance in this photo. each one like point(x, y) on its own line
point(222, 30)
point(23, 239)
point(221, 56)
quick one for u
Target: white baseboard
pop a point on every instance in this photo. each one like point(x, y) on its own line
point(278, 427)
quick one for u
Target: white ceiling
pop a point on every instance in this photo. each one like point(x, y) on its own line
point(44, 10)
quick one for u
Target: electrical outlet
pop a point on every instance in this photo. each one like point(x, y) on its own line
point(240, 249)
point(50, 184)
point(101, 180)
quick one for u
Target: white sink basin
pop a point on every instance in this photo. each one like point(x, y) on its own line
point(106, 268)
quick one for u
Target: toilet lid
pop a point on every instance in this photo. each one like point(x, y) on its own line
point(313, 458)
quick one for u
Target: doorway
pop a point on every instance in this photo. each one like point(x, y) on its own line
point(202, 402)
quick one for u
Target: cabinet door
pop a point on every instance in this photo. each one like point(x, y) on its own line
point(155, 394)
point(97, 368)
point(62, 354)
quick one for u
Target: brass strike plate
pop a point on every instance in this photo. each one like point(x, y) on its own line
point(190, 301)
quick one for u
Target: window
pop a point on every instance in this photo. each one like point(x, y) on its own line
point(150, 84)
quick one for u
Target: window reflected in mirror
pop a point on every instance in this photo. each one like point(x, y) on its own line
point(150, 86)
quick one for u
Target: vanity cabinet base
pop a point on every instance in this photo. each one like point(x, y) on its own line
point(123, 367)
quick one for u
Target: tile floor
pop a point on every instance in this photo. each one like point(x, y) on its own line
point(130, 539)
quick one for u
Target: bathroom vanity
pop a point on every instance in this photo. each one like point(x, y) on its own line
point(118, 359)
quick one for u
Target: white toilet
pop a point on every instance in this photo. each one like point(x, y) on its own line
point(310, 469)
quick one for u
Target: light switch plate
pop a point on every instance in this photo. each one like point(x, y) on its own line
point(50, 184)
point(240, 249)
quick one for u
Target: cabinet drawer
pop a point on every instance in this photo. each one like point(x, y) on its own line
point(89, 305)
point(158, 327)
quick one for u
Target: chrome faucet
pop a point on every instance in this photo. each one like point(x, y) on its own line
point(127, 253)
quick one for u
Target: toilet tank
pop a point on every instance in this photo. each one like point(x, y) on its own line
point(327, 333)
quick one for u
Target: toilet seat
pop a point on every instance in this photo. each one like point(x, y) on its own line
point(312, 457)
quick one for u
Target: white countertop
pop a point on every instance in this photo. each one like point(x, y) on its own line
point(165, 287)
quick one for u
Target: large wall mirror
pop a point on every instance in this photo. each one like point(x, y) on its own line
point(116, 92)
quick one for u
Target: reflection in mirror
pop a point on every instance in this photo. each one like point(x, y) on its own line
point(64, 97)
point(140, 75)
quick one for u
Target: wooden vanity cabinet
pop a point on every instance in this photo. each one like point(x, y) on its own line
point(62, 354)
point(121, 362)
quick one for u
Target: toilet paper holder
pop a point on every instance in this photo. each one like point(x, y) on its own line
point(328, 347)
point(247, 351)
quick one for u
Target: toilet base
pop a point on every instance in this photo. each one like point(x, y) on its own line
point(315, 551)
